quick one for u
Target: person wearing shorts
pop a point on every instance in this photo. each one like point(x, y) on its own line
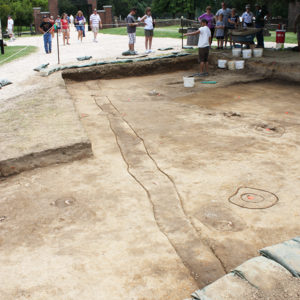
point(220, 31)
point(10, 28)
point(131, 30)
point(203, 47)
point(58, 24)
point(79, 23)
point(96, 23)
point(65, 29)
point(149, 28)
point(225, 11)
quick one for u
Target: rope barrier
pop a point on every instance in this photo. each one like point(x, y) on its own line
point(7, 58)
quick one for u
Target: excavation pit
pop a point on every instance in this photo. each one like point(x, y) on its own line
point(154, 217)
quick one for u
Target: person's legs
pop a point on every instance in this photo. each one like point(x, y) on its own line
point(201, 67)
point(95, 31)
point(206, 67)
point(132, 39)
point(64, 37)
point(225, 36)
point(222, 43)
point(146, 42)
point(68, 36)
point(212, 31)
point(150, 42)
point(260, 37)
point(50, 43)
point(45, 43)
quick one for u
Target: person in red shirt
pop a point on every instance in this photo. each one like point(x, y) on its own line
point(65, 29)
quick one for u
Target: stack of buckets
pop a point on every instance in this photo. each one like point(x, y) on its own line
point(280, 36)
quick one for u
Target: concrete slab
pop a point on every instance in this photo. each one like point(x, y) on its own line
point(39, 129)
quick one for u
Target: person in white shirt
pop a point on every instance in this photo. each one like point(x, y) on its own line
point(10, 28)
point(149, 29)
point(247, 17)
point(203, 46)
point(96, 22)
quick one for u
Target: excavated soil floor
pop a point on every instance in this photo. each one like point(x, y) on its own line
point(184, 185)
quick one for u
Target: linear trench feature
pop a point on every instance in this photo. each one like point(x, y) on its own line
point(203, 265)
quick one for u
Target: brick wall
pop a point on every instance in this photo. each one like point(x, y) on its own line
point(38, 17)
point(53, 8)
point(93, 3)
point(108, 16)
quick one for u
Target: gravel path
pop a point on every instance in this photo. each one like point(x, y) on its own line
point(21, 73)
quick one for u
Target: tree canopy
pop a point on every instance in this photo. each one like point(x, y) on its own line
point(21, 10)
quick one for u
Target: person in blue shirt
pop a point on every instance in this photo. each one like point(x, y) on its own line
point(225, 11)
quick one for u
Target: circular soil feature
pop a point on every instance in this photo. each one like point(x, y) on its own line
point(273, 130)
point(252, 198)
point(64, 202)
point(219, 217)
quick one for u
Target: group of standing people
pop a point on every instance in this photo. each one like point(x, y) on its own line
point(132, 24)
point(225, 20)
point(62, 25)
point(222, 25)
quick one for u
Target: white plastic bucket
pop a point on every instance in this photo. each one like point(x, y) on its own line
point(247, 53)
point(236, 52)
point(258, 52)
point(231, 65)
point(222, 63)
point(239, 64)
point(188, 82)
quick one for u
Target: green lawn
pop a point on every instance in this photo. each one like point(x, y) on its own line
point(15, 52)
point(172, 32)
point(290, 37)
point(169, 31)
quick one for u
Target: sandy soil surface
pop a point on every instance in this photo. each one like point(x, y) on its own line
point(184, 185)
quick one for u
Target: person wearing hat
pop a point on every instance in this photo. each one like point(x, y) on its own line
point(95, 22)
point(247, 17)
point(10, 28)
point(45, 29)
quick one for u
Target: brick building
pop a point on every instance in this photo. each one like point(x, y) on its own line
point(87, 6)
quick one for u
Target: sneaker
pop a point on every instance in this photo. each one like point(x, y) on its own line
point(152, 51)
point(135, 53)
point(148, 51)
point(95, 41)
point(205, 74)
point(198, 75)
